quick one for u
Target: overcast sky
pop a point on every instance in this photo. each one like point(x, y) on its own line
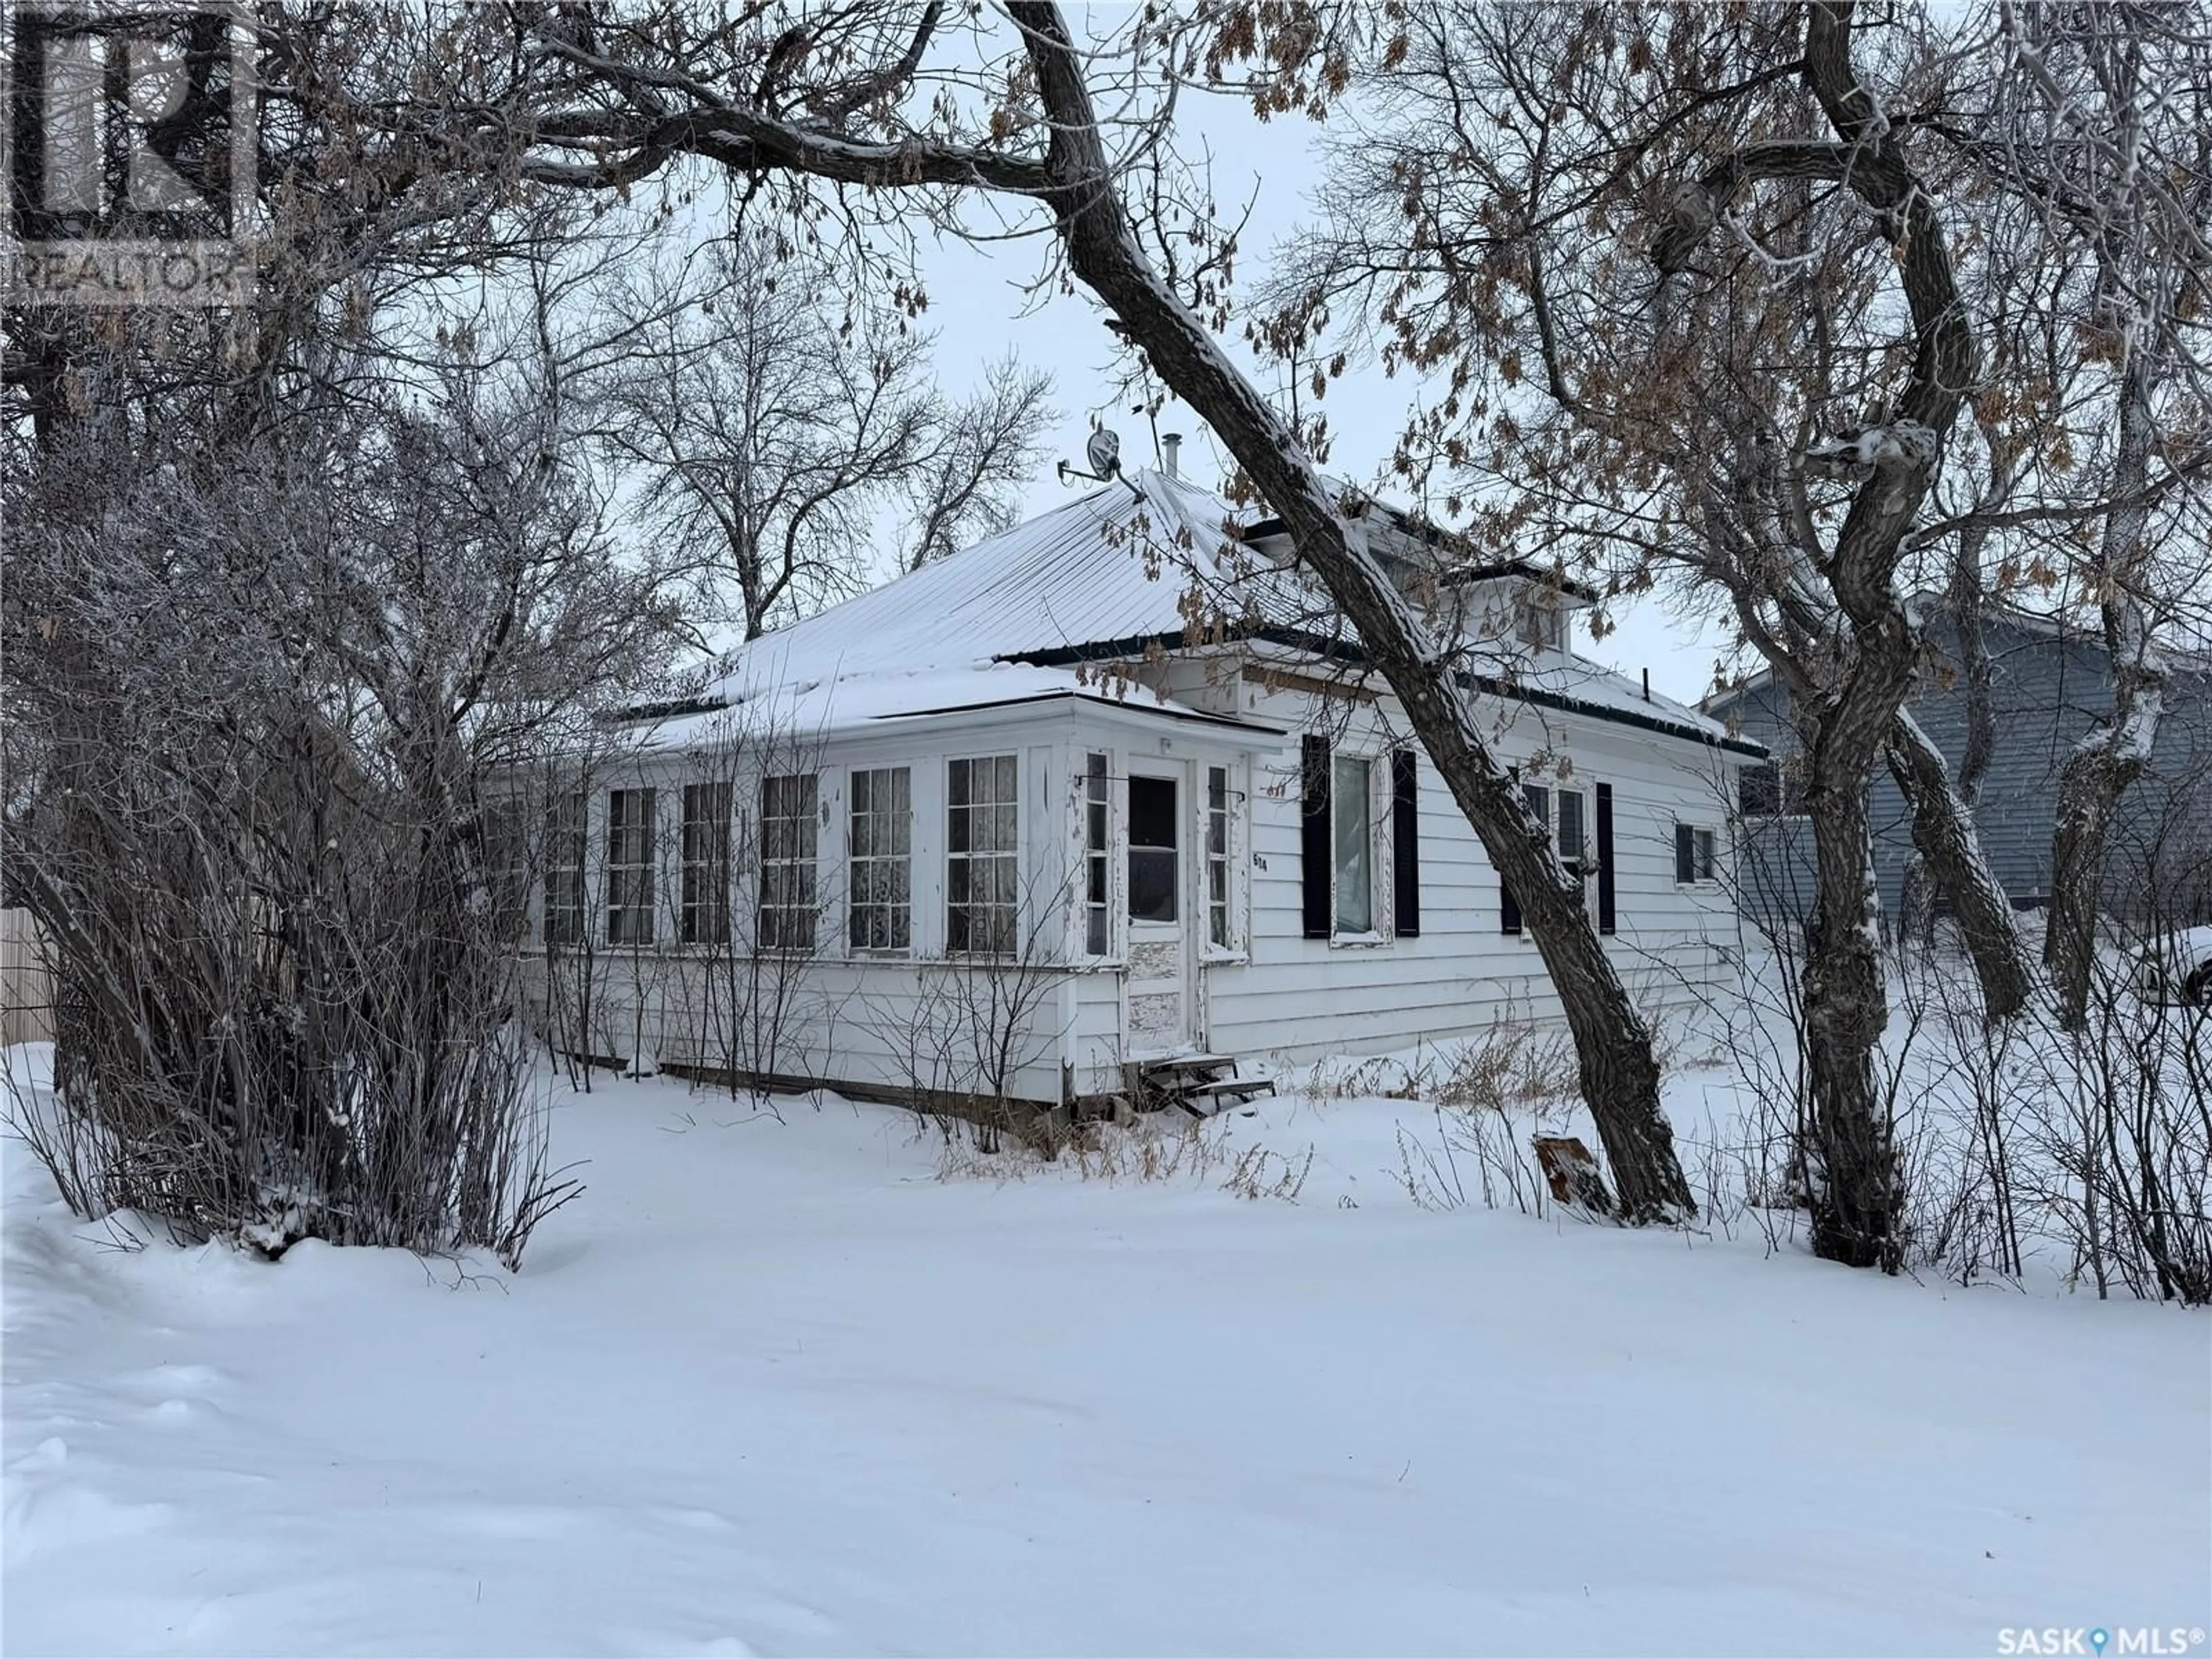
point(977, 304)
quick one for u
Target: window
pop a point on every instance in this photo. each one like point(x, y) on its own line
point(1565, 814)
point(1695, 860)
point(703, 917)
point(1540, 804)
point(1217, 856)
point(791, 832)
point(1336, 841)
point(1536, 620)
point(1098, 920)
point(1572, 843)
point(630, 866)
point(1153, 851)
point(880, 911)
point(564, 870)
point(1355, 846)
point(1759, 791)
point(979, 855)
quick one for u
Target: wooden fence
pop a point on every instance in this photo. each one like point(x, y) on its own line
point(26, 998)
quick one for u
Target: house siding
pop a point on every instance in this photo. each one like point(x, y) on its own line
point(2047, 690)
point(1273, 995)
point(1298, 999)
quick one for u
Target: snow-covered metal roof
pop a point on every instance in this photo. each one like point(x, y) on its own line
point(1013, 618)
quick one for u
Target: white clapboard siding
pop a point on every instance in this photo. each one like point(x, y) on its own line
point(1298, 999)
point(879, 1025)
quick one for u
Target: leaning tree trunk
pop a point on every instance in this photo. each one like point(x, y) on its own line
point(1949, 848)
point(1620, 1073)
point(2099, 768)
point(1947, 855)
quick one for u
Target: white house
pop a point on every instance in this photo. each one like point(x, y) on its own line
point(1105, 798)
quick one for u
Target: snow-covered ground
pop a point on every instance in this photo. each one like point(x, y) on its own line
point(781, 1387)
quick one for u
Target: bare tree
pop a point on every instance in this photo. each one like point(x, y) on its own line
point(769, 440)
point(1694, 310)
point(267, 872)
point(2101, 130)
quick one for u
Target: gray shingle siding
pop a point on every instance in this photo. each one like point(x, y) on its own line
point(2048, 691)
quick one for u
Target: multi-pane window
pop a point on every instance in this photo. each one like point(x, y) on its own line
point(630, 865)
point(1353, 805)
point(791, 828)
point(564, 870)
point(704, 915)
point(1564, 814)
point(1098, 920)
point(981, 856)
point(880, 878)
point(1216, 855)
point(1694, 855)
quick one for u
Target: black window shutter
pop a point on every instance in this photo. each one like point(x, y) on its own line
point(1605, 858)
point(1686, 854)
point(1315, 870)
point(1508, 908)
point(1404, 844)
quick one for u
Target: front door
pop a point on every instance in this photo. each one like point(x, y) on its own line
point(1162, 1016)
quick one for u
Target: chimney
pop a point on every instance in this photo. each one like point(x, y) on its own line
point(1647, 686)
point(1171, 454)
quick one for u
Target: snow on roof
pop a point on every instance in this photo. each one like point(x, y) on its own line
point(1575, 683)
point(1108, 565)
point(1009, 620)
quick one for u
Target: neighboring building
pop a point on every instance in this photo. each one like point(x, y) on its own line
point(2049, 684)
point(1031, 821)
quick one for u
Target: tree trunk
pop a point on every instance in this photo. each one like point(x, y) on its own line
point(2104, 763)
point(1852, 1171)
point(1620, 1073)
point(1950, 850)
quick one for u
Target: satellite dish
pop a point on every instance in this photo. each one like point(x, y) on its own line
point(1104, 453)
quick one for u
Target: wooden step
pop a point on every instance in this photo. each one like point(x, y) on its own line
point(1205, 1099)
point(1168, 1063)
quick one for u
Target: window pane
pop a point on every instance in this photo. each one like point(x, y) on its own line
point(1539, 802)
point(1152, 884)
point(1355, 840)
point(1760, 788)
point(1570, 825)
point(1151, 812)
point(1154, 862)
point(1686, 857)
